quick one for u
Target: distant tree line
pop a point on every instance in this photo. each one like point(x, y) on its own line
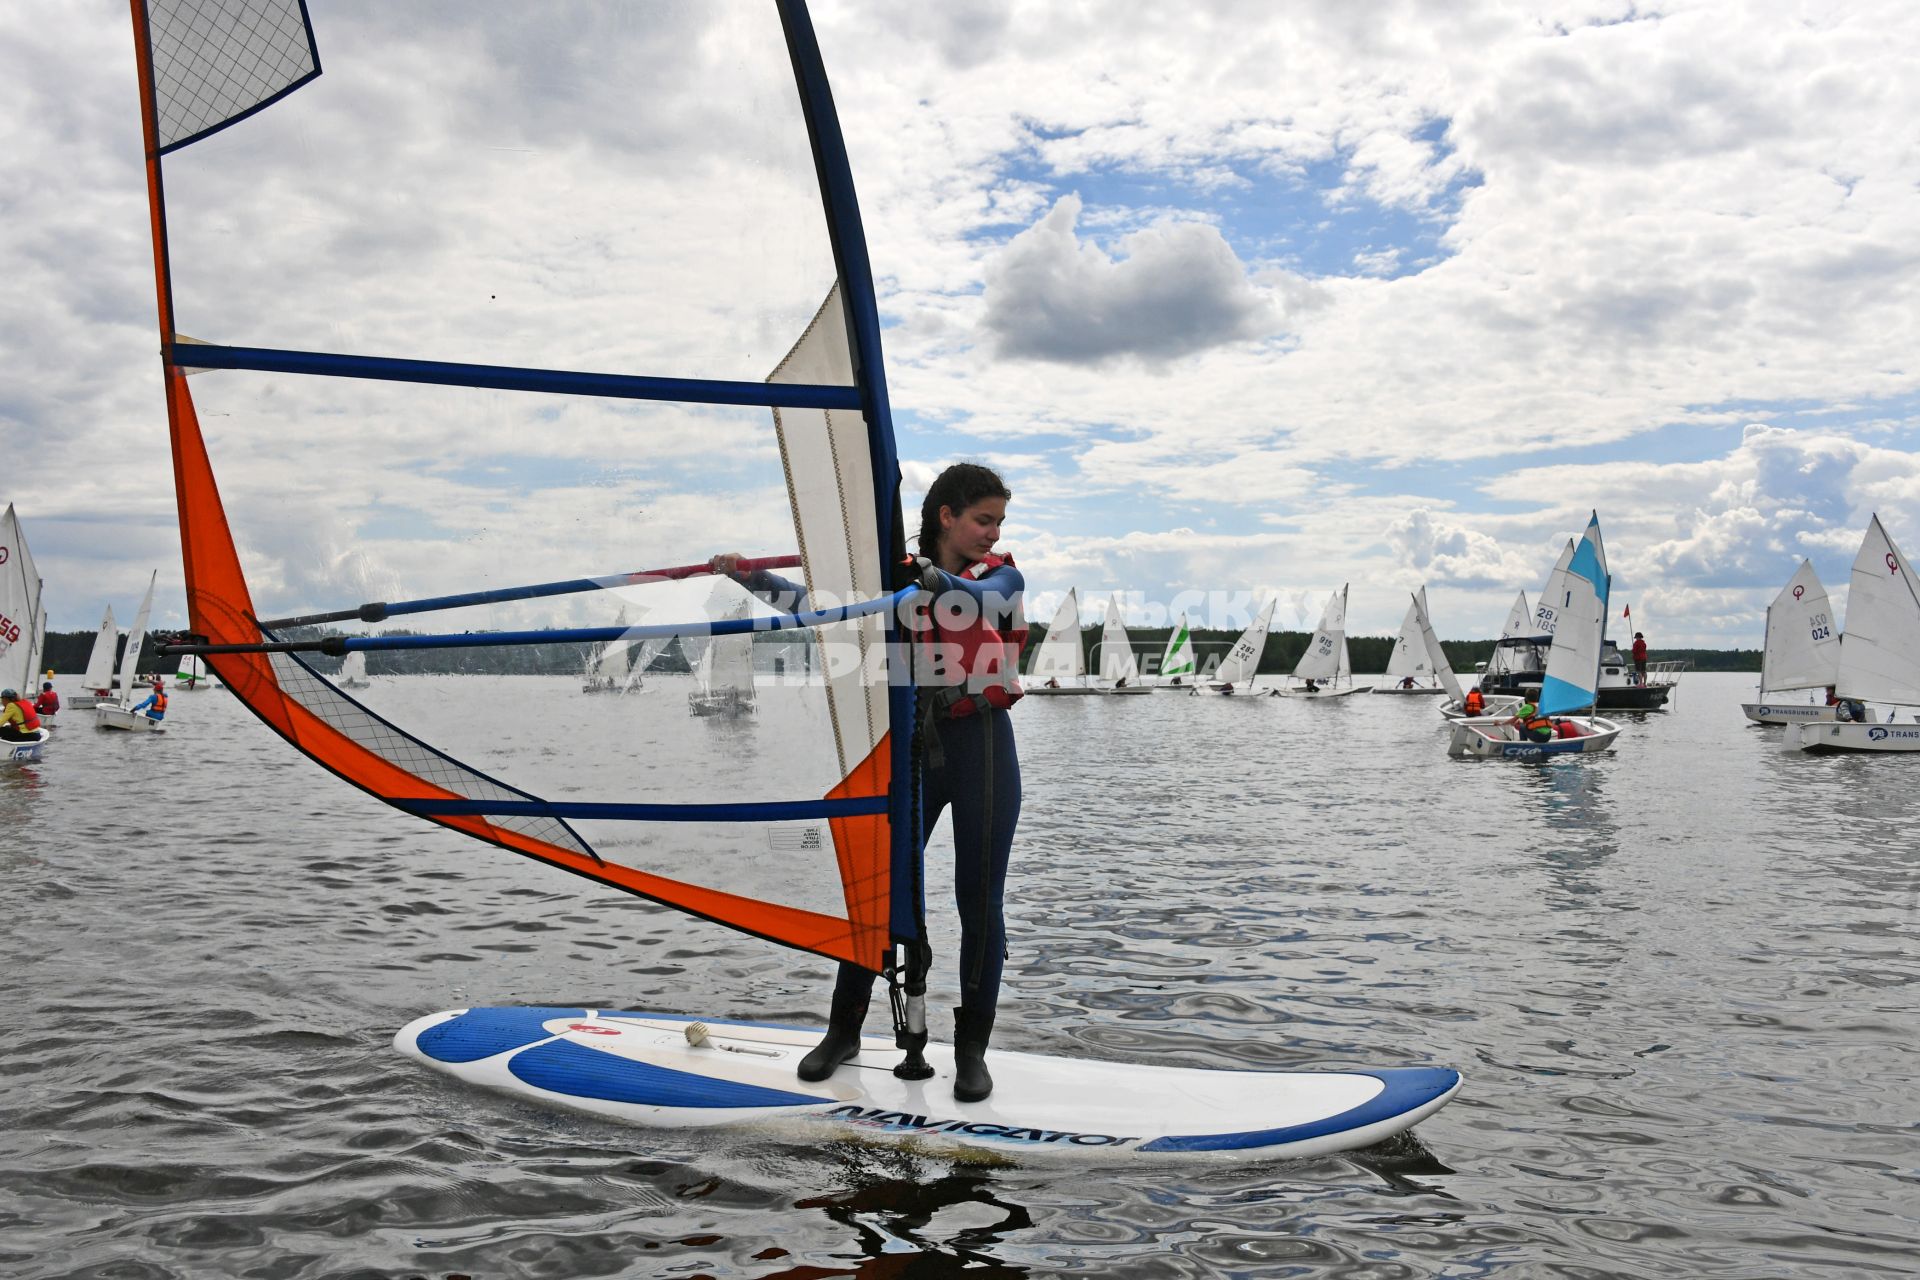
point(67, 652)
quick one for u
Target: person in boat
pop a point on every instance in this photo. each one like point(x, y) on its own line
point(48, 703)
point(969, 762)
point(19, 722)
point(1311, 686)
point(1639, 658)
point(1053, 682)
point(1533, 726)
point(155, 703)
point(1475, 703)
point(1406, 682)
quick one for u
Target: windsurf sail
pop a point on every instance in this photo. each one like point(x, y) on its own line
point(1323, 659)
point(1580, 612)
point(432, 292)
point(1803, 644)
point(1117, 663)
point(19, 607)
point(1177, 661)
point(1880, 657)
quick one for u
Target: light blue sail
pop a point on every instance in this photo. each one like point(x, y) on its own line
point(1573, 664)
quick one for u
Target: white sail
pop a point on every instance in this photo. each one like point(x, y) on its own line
point(1060, 656)
point(39, 643)
point(1409, 657)
point(130, 657)
point(1802, 646)
point(1880, 657)
point(1519, 623)
point(1117, 663)
point(608, 664)
point(1178, 659)
point(353, 672)
point(100, 662)
point(1242, 662)
point(1436, 656)
point(19, 606)
point(728, 662)
point(1322, 661)
point(1553, 598)
point(1573, 664)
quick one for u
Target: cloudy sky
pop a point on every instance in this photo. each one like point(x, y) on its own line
point(1239, 296)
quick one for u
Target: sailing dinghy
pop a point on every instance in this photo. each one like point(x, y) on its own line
point(1879, 657)
point(353, 672)
point(1059, 666)
point(813, 845)
point(1326, 668)
point(20, 623)
point(1519, 619)
point(724, 673)
point(118, 713)
point(1118, 667)
point(1235, 675)
point(1177, 667)
point(1414, 667)
point(98, 679)
point(1578, 616)
point(1801, 653)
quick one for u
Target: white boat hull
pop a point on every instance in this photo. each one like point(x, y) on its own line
point(1848, 736)
point(109, 716)
point(1495, 708)
point(726, 705)
point(1317, 695)
point(1788, 713)
point(85, 701)
point(1490, 737)
point(1129, 691)
point(24, 751)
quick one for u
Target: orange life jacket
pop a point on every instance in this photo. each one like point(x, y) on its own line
point(1475, 703)
point(29, 718)
point(160, 701)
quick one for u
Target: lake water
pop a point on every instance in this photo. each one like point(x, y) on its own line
point(1680, 979)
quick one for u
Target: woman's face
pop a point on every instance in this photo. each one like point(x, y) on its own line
point(973, 532)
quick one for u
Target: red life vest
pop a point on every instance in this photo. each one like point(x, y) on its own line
point(988, 657)
point(47, 703)
point(1639, 650)
point(1566, 729)
point(29, 718)
point(160, 702)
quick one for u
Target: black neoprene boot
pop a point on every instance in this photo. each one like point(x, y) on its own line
point(842, 1039)
point(971, 1031)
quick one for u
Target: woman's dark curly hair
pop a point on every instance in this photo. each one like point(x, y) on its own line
point(957, 488)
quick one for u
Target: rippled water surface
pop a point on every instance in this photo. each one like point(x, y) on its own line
point(1680, 980)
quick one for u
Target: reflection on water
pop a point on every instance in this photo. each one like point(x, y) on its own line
point(1679, 978)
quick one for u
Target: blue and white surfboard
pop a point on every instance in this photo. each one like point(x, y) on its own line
point(666, 1071)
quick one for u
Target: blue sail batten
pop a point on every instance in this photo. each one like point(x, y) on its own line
point(651, 631)
point(493, 377)
point(745, 811)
